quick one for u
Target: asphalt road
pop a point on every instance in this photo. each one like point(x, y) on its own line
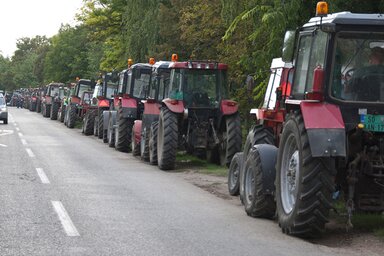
point(62, 193)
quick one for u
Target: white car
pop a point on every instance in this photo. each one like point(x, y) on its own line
point(3, 110)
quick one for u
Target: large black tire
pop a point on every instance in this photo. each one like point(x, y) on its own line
point(71, 116)
point(54, 110)
point(47, 111)
point(256, 202)
point(144, 144)
point(38, 106)
point(61, 114)
point(230, 139)
point(111, 133)
point(257, 135)
point(100, 132)
point(153, 143)
point(96, 125)
point(303, 183)
point(123, 132)
point(88, 121)
point(134, 145)
point(234, 174)
point(167, 136)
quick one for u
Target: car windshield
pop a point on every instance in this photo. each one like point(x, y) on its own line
point(198, 87)
point(358, 71)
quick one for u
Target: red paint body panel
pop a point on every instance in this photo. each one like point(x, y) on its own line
point(228, 107)
point(176, 106)
point(103, 103)
point(320, 115)
point(75, 100)
point(151, 108)
point(271, 115)
point(48, 99)
point(128, 103)
point(137, 130)
point(116, 101)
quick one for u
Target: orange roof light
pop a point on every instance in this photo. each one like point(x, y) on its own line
point(130, 62)
point(321, 9)
point(77, 79)
point(175, 57)
point(151, 61)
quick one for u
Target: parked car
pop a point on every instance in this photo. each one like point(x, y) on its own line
point(3, 110)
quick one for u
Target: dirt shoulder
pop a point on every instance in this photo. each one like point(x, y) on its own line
point(336, 235)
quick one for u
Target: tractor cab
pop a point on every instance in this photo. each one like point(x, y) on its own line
point(199, 84)
point(134, 81)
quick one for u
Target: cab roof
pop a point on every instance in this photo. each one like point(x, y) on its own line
point(348, 18)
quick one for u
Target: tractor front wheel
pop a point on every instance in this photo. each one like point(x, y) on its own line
point(153, 143)
point(303, 183)
point(71, 116)
point(89, 122)
point(234, 174)
point(167, 137)
point(123, 133)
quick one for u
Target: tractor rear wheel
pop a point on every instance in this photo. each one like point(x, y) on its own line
point(256, 202)
point(61, 114)
point(230, 139)
point(71, 116)
point(153, 143)
point(144, 144)
point(167, 136)
point(234, 174)
point(88, 122)
point(54, 110)
point(123, 133)
point(303, 183)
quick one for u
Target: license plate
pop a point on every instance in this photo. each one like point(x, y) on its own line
point(374, 123)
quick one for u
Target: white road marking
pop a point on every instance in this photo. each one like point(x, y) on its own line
point(4, 146)
point(24, 142)
point(5, 132)
point(17, 129)
point(30, 153)
point(65, 220)
point(20, 134)
point(43, 177)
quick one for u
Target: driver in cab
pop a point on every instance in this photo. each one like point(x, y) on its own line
point(367, 83)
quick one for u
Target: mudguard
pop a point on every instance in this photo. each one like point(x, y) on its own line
point(176, 106)
point(325, 128)
point(228, 107)
point(268, 158)
point(137, 131)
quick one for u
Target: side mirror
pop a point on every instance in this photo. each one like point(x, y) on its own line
point(289, 45)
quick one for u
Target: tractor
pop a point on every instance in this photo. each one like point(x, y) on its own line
point(78, 103)
point(145, 128)
point(50, 102)
point(197, 115)
point(101, 100)
point(320, 132)
point(33, 100)
point(64, 102)
point(127, 106)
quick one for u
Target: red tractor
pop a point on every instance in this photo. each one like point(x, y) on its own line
point(33, 100)
point(197, 115)
point(127, 106)
point(321, 134)
point(101, 100)
point(78, 102)
point(145, 128)
point(51, 100)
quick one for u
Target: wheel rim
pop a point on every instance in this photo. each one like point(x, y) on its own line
point(234, 177)
point(249, 185)
point(289, 174)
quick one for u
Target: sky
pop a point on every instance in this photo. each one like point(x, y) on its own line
point(29, 18)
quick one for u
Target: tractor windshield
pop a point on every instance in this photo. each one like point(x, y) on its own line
point(198, 87)
point(83, 88)
point(111, 89)
point(138, 82)
point(358, 70)
point(54, 91)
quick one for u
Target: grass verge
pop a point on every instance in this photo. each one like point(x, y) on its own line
point(189, 162)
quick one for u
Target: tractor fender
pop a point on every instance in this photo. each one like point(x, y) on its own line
point(137, 131)
point(268, 158)
point(176, 106)
point(326, 135)
point(228, 107)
